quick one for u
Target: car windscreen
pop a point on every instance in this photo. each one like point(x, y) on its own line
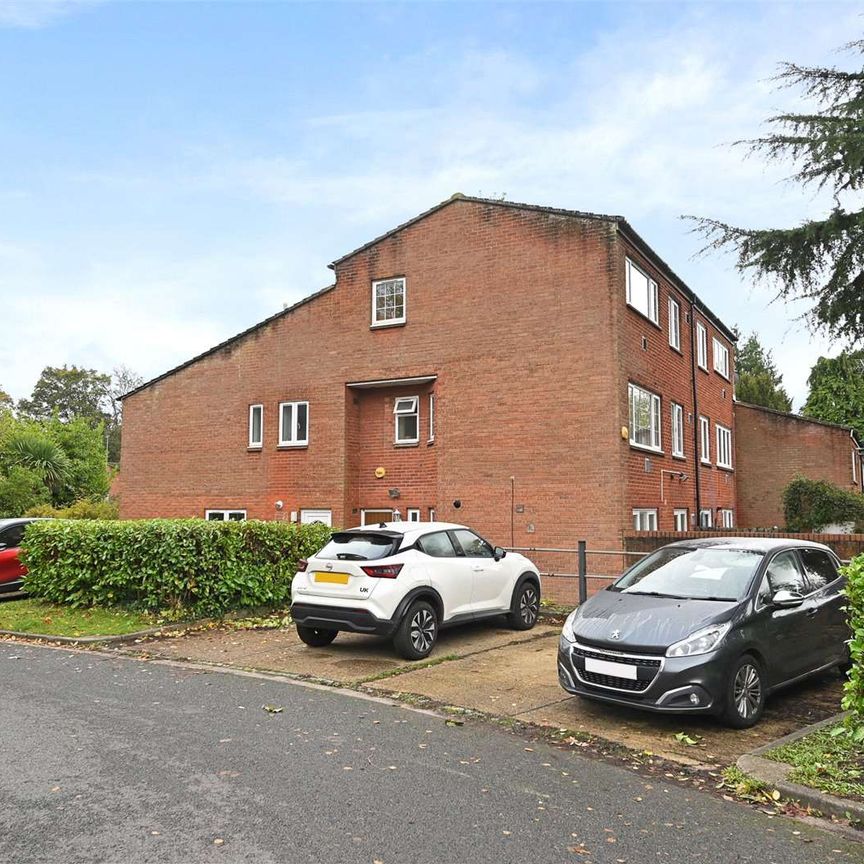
point(694, 573)
point(359, 546)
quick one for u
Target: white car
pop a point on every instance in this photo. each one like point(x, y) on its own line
point(406, 580)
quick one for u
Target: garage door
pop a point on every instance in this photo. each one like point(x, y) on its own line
point(308, 517)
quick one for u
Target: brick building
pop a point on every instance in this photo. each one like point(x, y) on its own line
point(539, 374)
point(773, 447)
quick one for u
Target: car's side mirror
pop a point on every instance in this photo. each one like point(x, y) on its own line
point(784, 599)
point(499, 552)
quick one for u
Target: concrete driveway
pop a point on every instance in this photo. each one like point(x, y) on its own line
point(489, 668)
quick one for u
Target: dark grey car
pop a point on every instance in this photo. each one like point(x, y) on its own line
point(708, 626)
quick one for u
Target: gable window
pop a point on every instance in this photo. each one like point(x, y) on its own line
point(644, 520)
point(256, 425)
point(727, 519)
point(677, 430)
point(674, 324)
point(644, 418)
point(224, 515)
point(388, 302)
point(642, 292)
point(705, 441)
point(721, 358)
point(293, 424)
point(407, 413)
point(681, 520)
point(431, 417)
point(701, 346)
point(724, 446)
point(706, 518)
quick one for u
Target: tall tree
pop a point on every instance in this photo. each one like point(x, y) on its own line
point(68, 392)
point(821, 261)
point(837, 391)
point(6, 402)
point(123, 381)
point(759, 382)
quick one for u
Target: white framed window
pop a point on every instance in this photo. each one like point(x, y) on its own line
point(721, 357)
point(407, 413)
point(256, 426)
point(724, 446)
point(854, 466)
point(644, 520)
point(706, 518)
point(293, 424)
point(431, 417)
point(641, 292)
point(310, 517)
point(644, 418)
point(388, 302)
point(727, 519)
point(674, 324)
point(681, 519)
point(413, 514)
point(701, 346)
point(225, 515)
point(704, 440)
point(431, 514)
point(677, 429)
point(376, 517)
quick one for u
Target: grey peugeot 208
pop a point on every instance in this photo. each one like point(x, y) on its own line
point(708, 626)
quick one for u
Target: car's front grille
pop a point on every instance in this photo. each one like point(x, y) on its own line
point(647, 669)
point(616, 683)
point(646, 662)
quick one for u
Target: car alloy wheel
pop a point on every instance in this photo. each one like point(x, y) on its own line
point(422, 630)
point(528, 605)
point(747, 691)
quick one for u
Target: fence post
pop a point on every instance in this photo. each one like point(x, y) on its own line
point(583, 573)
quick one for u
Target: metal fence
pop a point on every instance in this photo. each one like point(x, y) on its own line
point(570, 575)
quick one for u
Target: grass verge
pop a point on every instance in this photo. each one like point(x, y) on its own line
point(34, 616)
point(832, 764)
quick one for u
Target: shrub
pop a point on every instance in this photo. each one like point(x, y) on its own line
point(82, 509)
point(809, 505)
point(21, 489)
point(853, 690)
point(176, 566)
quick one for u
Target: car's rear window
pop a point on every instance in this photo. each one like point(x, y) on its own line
point(359, 546)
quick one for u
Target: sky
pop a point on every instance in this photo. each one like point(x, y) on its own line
point(172, 173)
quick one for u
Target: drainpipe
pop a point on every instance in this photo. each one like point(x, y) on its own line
point(696, 425)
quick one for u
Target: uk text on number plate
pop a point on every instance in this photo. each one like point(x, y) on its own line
point(604, 667)
point(333, 578)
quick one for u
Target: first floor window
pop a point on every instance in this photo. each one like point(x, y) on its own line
point(677, 430)
point(407, 411)
point(721, 358)
point(413, 514)
point(705, 440)
point(644, 418)
point(645, 520)
point(681, 519)
point(256, 425)
point(724, 446)
point(388, 302)
point(293, 424)
point(706, 518)
point(727, 519)
point(674, 324)
point(642, 292)
point(225, 515)
point(701, 345)
point(431, 416)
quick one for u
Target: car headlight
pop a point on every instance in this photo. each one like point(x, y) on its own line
point(700, 642)
point(568, 633)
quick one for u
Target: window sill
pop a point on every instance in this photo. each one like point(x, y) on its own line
point(641, 447)
point(678, 351)
point(728, 468)
point(254, 448)
point(681, 457)
point(383, 325)
point(724, 377)
point(641, 314)
point(704, 464)
point(430, 442)
point(292, 446)
point(703, 368)
point(406, 443)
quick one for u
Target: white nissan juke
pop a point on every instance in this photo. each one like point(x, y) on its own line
point(405, 580)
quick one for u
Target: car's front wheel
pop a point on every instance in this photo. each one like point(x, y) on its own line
point(525, 606)
point(745, 693)
point(418, 631)
point(317, 637)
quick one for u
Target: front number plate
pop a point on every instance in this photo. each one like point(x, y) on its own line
point(604, 667)
point(333, 578)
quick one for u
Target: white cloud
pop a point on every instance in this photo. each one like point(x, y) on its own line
point(33, 14)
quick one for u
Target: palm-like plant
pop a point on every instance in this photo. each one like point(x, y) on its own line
point(29, 449)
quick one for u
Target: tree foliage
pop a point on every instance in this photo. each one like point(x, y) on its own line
point(821, 261)
point(810, 505)
point(68, 393)
point(759, 382)
point(837, 391)
point(6, 402)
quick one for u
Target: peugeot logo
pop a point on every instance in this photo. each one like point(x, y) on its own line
point(615, 634)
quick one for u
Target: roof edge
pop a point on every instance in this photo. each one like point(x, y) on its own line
point(789, 415)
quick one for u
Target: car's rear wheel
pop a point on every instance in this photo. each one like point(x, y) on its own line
point(745, 693)
point(525, 606)
point(317, 637)
point(418, 631)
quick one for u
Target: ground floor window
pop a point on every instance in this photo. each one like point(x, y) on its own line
point(431, 514)
point(645, 520)
point(681, 519)
point(706, 519)
point(310, 517)
point(727, 519)
point(224, 515)
point(413, 514)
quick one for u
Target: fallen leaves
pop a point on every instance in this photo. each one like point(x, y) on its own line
point(273, 709)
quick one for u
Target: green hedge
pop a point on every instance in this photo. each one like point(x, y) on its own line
point(853, 691)
point(811, 504)
point(172, 566)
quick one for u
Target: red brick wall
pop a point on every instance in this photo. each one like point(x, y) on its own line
point(772, 448)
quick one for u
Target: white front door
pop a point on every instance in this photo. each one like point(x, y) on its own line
point(309, 517)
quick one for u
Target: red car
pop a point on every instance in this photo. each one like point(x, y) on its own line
point(11, 569)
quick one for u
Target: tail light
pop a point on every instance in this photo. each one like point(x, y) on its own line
point(383, 571)
point(302, 564)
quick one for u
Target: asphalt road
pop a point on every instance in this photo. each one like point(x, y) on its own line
point(114, 759)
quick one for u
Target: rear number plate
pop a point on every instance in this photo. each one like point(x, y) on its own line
point(604, 667)
point(333, 578)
